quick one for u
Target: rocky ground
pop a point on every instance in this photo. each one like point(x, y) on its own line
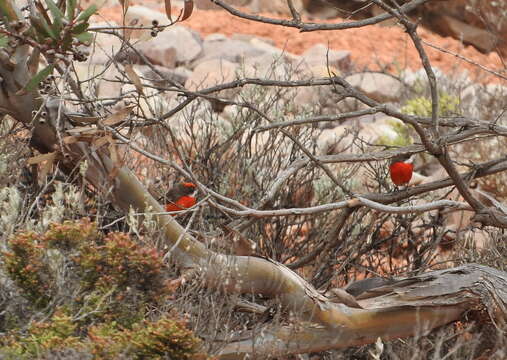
point(373, 47)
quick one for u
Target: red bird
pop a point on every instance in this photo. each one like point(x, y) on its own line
point(180, 197)
point(401, 169)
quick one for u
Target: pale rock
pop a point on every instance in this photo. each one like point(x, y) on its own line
point(469, 98)
point(100, 86)
point(326, 99)
point(142, 16)
point(215, 37)
point(209, 5)
point(481, 100)
point(350, 104)
point(249, 37)
point(380, 87)
point(264, 46)
point(267, 66)
point(152, 104)
point(170, 77)
point(320, 55)
point(234, 113)
point(176, 45)
point(105, 47)
point(163, 56)
point(480, 38)
point(321, 71)
point(496, 89)
point(201, 125)
point(234, 51)
point(380, 129)
point(334, 141)
point(276, 6)
point(419, 78)
point(341, 138)
point(212, 73)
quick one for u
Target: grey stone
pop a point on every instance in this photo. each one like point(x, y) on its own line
point(178, 75)
point(378, 86)
point(142, 16)
point(211, 73)
point(479, 38)
point(215, 37)
point(176, 42)
point(249, 37)
point(262, 45)
point(105, 46)
point(275, 6)
point(208, 5)
point(234, 51)
point(321, 55)
point(341, 138)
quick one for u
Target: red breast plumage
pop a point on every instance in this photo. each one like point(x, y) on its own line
point(180, 197)
point(401, 170)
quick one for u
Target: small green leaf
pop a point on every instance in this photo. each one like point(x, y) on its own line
point(57, 16)
point(71, 9)
point(48, 29)
point(85, 15)
point(67, 41)
point(80, 28)
point(4, 40)
point(40, 76)
point(39, 26)
point(85, 38)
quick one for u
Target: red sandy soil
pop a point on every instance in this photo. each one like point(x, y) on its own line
point(372, 47)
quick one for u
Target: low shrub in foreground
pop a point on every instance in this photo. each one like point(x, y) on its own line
point(81, 292)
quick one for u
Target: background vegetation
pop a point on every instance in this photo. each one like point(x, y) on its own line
point(82, 277)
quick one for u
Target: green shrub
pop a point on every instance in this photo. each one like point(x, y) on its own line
point(71, 235)
point(120, 261)
point(107, 284)
point(27, 266)
point(165, 338)
point(403, 137)
point(421, 106)
point(58, 333)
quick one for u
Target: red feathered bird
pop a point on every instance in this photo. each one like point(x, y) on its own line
point(181, 197)
point(401, 169)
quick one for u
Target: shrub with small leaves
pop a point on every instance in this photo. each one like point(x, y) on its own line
point(71, 234)
point(103, 287)
point(421, 106)
point(152, 340)
point(26, 265)
point(162, 339)
point(55, 334)
point(117, 260)
point(403, 137)
point(165, 338)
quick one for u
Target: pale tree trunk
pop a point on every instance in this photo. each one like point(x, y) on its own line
point(405, 307)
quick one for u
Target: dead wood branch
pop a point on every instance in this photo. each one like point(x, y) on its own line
point(406, 306)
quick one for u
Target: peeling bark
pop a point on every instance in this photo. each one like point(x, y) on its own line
point(407, 306)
